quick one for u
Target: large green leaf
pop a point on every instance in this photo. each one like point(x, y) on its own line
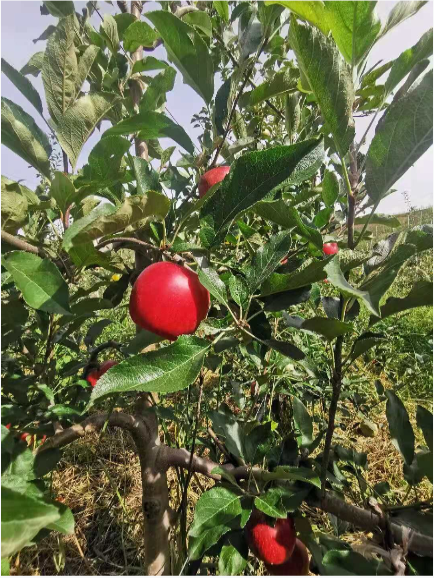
point(364, 343)
point(310, 273)
point(330, 188)
point(21, 134)
point(400, 426)
point(222, 9)
point(288, 217)
point(329, 77)
point(84, 66)
point(62, 190)
point(109, 29)
point(34, 65)
point(421, 294)
point(23, 84)
point(77, 124)
point(60, 67)
point(312, 11)
point(403, 135)
point(215, 513)
point(152, 125)
point(210, 279)
point(155, 94)
point(400, 12)
point(328, 328)
point(355, 27)
point(107, 219)
point(165, 370)
point(60, 9)
point(267, 258)
point(234, 553)
point(200, 20)
point(40, 282)
point(255, 174)
point(22, 517)
point(385, 220)
point(138, 34)
point(103, 168)
point(149, 63)
point(16, 202)
point(187, 50)
point(147, 178)
point(282, 82)
point(408, 59)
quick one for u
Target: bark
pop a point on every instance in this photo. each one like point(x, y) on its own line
point(20, 244)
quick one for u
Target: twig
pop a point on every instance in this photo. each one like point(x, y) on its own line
point(130, 240)
point(218, 443)
point(20, 244)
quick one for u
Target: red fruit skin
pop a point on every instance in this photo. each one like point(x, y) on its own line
point(272, 545)
point(284, 261)
point(326, 281)
point(168, 300)
point(8, 426)
point(106, 365)
point(211, 178)
point(93, 377)
point(297, 565)
point(330, 248)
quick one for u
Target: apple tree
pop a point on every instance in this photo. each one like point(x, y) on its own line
point(263, 281)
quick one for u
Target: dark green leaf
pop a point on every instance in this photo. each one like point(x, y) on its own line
point(187, 50)
point(226, 425)
point(282, 82)
point(62, 190)
point(147, 178)
point(400, 426)
point(155, 94)
point(306, 275)
point(60, 9)
point(286, 299)
point(152, 125)
point(267, 258)
point(148, 63)
point(364, 343)
point(330, 188)
point(351, 563)
point(84, 65)
point(109, 29)
point(95, 331)
point(286, 348)
point(404, 134)
point(420, 295)
point(23, 84)
point(303, 423)
point(385, 220)
point(34, 65)
point(329, 77)
point(234, 553)
point(40, 282)
point(239, 290)
point(140, 341)
point(255, 174)
point(424, 420)
point(165, 370)
point(328, 328)
point(221, 105)
point(210, 279)
point(258, 443)
point(123, 21)
point(139, 34)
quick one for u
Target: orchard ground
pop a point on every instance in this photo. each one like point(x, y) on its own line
point(99, 477)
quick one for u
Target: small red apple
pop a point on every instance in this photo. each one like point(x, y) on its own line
point(8, 426)
point(168, 300)
point(93, 377)
point(297, 565)
point(106, 365)
point(330, 248)
point(271, 544)
point(284, 261)
point(23, 436)
point(326, 281)
point(211, 178)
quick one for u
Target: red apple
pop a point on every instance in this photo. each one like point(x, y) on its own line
point(106, 365)
point(330, 248)
point(23, 436)
point(8, 426)
point(211, 178)
point(284, 261)
point(326, 281)
point(297, 565)
point(271, 544)
point(168, 300)
point(93, 377)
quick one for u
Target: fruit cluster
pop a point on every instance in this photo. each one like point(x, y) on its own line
point(277, 546)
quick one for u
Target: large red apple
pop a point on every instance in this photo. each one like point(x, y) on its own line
point(211, 178)
point(271, 544)
point(330, 248)
point(106, 365)
point(168, 300)
point(297, 565)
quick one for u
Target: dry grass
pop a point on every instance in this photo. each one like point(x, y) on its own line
point(100, 482)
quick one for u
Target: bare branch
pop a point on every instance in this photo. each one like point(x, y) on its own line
point(20, 244)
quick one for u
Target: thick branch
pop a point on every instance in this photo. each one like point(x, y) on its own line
point(20, 244)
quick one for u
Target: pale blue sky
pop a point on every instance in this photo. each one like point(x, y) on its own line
point(21, 22)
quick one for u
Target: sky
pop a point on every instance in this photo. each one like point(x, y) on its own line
point(21, 22)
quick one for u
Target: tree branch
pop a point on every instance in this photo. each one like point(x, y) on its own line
point(20, 244)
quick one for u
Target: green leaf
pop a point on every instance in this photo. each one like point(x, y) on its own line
point(286, 348)
point(385, 220)
point(152, 125)
point(40, 282)
point(210, 280)
point(289, 218)
point(200, 20)
point(328, 328)
point(400, 12)
point(400, 426)
point(420, 295)
point(187, 50)
point(255, 174)
point(364, 343)
point(84, 65)
point(5, 568)
point(226, 425)
point(306, 275)
point(23, 84)
point(303, 423)
point(408, 59)
point(294, 473)
point(139, 34)
point(79, 121)
point(404, 134)
point(277, 502)
point(47, 391)
point(110, 29)
point(351, 563)
point(165, 370)
point(336, 277)
point(216, 511)
point(60, 9)
point(16, 201)
point(21, 134)
point(282, 82)
point(312, 11)
point(147, 178)
point(103, 168)
point(222, 104)
point(148, 63)
point(329, 77)
point(107, 219)
point(60, 68)
point(239, 290)
point(140, 341)
point(355, 27)
point(330, 188)
point(62, 190)
point(424, 420)
point(267, 258)
point(222, 9)
point(155, 94)
point(123, 21)
point(34, 65)
point(233, 555)
point(22, 517)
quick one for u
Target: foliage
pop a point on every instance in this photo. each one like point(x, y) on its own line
point(285, 347)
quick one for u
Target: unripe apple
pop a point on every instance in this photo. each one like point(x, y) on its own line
point(211, 178)
point(271, 544)
point(297, 565)
point(266, 133)
point(330, 248)
point(168, 300)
